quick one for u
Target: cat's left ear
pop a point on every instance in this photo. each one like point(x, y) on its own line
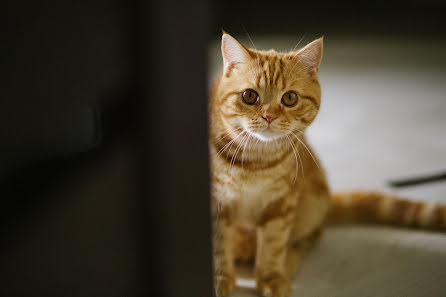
point(311, 55)
point(233, 53)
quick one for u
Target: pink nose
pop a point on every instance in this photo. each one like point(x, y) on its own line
point(268, 118)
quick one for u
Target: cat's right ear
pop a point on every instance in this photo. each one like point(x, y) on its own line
point(310, 56)
point(233, 53)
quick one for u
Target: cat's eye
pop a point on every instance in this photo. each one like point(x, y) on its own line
point(290, 99)
point(250, 96)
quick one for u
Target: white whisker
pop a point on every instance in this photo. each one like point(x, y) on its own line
point(308, 150)
point(301, 164)
point(237, 149)
point(297, 44)
point(229, 143)
point(257, 56)
point(227, 132)
point(230, 147)
point(244, 147)
point(295, 156)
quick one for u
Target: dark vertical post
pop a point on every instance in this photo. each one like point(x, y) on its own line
point(179, 237)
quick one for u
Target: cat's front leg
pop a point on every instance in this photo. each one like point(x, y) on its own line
point(224, 276)
point(272, 246)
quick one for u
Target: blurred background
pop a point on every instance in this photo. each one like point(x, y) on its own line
point(103, 158)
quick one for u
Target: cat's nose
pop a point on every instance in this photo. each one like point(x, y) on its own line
point(269, 118)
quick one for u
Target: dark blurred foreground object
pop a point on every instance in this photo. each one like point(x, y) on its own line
point(97, 197)
point(417, 180)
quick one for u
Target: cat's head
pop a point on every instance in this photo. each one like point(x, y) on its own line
point(266, 93)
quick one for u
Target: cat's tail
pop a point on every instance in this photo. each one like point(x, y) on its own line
point(375, 207)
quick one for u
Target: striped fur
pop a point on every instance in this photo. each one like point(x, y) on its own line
point(374, 207)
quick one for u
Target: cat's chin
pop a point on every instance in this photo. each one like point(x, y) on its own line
point(266, 136)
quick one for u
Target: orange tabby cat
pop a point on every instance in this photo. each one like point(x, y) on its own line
point(270, 196)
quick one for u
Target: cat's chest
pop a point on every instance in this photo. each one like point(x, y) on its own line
point(250, 191)
point(253, 194)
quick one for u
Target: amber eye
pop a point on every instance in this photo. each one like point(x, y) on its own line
point(250, 96)
point(290, 99)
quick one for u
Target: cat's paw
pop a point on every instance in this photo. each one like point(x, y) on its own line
point(224, 285)
point(277, 286)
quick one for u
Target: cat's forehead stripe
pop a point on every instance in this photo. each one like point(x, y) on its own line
point(279, 66)
point(270, 72)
